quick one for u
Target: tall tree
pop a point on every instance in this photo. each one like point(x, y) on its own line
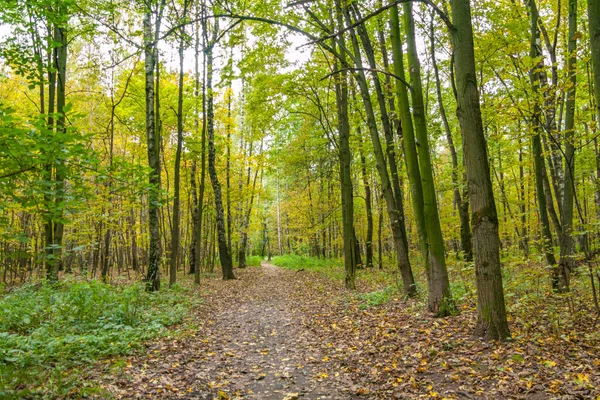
point(224, 253)
point(491, 309)
point(54, 225)
point(345, 158)
point(440, 297)
point(594, 26)
point(175, 233)
point(389, 187)
point(538, 158)
point(151, 32)
point(567, 245)
point(460, 202)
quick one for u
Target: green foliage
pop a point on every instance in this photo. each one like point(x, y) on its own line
point(45, 329)
point(377, 298)
point(253, 261)
point(294, 261)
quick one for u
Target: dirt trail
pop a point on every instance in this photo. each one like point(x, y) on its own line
point(253, 344)
point(279, 334)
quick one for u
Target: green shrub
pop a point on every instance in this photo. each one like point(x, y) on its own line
point(253, 261)
point(51, 328)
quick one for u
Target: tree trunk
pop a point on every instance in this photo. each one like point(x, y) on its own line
point(491, 311)
point(440, 297)
point(368, 204)
point(153, 274)
point(224, 254)
point(594, 26)
point(175, 233)
point(567, 246)
point(395, 210)
point(345, 158)
point(461, 203)
point(538, 158)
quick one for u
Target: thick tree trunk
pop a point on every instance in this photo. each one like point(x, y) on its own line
point(461, 204)
point(491, 310)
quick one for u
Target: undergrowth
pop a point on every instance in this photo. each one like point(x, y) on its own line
point(50, 333)
point(368, 279)
point(378, 297)
point(332, 268)
point(253, 261)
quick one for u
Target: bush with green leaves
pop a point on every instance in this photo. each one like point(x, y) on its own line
point(253, 261)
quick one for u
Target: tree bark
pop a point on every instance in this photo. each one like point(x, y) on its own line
point(567, 246)
point(538, 158)
point(594, 26)
point(175, 233)
point(491, 310)
point(152, 139)
point(224, 254)
point(440, 296)
point(345, 158)
point(395, 210)
point(461, 203)
point(368, 203)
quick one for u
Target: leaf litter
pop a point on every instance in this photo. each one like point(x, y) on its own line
point(280, 334)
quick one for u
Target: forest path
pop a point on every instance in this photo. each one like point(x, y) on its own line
point(252, 342)
point(280, 334)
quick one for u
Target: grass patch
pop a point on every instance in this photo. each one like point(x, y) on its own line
point(331, 268)
point(377, 298)
point(372, 278)
point(50, 333)
point(294, 261)
point(253, 261)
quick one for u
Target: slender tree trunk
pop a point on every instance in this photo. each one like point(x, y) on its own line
point(408, 137)
point(175, 233)
point(538, 158)
point(345, 158)
point(153, 274)
point(567, 245)
point(379, 234)
point(368, 203)
point(523, 201)
point(491, 311)
point(61, 127)
point(49, 248)
point(228, 169)
point(224, 254)
point(245, 223)
point(395, 210)
point(440, 297)
point(594, 26)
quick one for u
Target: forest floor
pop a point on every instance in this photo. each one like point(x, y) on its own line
point(281, 334)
